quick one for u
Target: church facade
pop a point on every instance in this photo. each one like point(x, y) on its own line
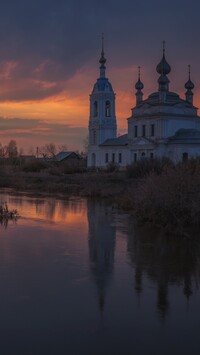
point(161, 125)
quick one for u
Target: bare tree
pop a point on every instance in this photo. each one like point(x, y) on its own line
point(62, 148)
point(3, 151)
point(12, 151)
point(50, 150)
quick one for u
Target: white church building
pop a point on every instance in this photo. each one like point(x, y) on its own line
point(161, 125)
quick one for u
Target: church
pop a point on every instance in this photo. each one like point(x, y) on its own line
point(162, 125)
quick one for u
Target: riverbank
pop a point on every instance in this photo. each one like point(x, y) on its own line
point(157, 193)
point(86, 184)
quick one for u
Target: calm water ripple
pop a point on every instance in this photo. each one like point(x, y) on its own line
point(77, 278)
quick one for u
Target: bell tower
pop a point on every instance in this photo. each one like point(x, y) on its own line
point(102, 121)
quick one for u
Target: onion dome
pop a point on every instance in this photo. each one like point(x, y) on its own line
point(163, 67)
point(139, 85)
point(189, 85)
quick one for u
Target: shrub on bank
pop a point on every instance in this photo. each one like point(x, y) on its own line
point(112, 167)
point(73, 166)
point(143, 168)
point(34, 166)
point(171, 199)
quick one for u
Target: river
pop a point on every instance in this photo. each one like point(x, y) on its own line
point(76, 277)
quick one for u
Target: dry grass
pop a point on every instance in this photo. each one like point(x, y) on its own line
point(157, 192)
point(170, 200)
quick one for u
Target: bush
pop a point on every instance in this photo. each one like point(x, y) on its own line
point(112, 167)
point(73, 166)
point(34, 166)
point(171, 199)
point(143, 168)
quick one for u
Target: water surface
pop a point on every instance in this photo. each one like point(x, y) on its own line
point(77, 278)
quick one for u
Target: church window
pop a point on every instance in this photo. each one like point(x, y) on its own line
point(151, 155)
point(135, 131)
point(93, 159)
point(152, 130)
point(95, 109)
point(113, 157)
point(185, 156)
point(107, 108)
point(120, 157)
point(143, 130)
point(106, 158)
point(143, 155)
point(135, 157)
point(94, 137)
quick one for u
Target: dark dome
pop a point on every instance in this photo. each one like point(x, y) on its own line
point(139, 85)
point(171, 98)
point(189, 85)
point(163, 67)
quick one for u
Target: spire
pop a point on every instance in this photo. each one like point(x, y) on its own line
point(189, 87)
point(164, 47)
point(102, 60)
point(163, 68)
point(139, 86)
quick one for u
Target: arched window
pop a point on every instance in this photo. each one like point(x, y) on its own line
point(94, 137)
point(93, 160)
point(95, 109)
point(107, 108)
point(143, 155)
point(185, 156)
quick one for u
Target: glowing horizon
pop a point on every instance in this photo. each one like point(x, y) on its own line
point(36, 112)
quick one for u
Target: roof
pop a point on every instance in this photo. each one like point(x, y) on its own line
point(102, 84)
point(121, 140)
point(185, 136)
point(63, 155)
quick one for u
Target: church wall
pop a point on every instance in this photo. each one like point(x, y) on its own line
point(169, 126)
point(106, 155)
point(118, 155)
point(176, 151)
point(163, 127)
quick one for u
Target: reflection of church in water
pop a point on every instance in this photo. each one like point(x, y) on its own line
point(102, 236)
point(162, 262)
point(165, 263)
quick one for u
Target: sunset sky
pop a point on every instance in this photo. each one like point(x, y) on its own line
point(49, 52)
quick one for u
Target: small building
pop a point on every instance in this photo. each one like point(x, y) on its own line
point(67, 157)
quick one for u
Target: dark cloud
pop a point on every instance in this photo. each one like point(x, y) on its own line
point(49, 40)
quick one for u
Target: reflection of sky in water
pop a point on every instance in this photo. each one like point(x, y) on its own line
point(76, 278)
